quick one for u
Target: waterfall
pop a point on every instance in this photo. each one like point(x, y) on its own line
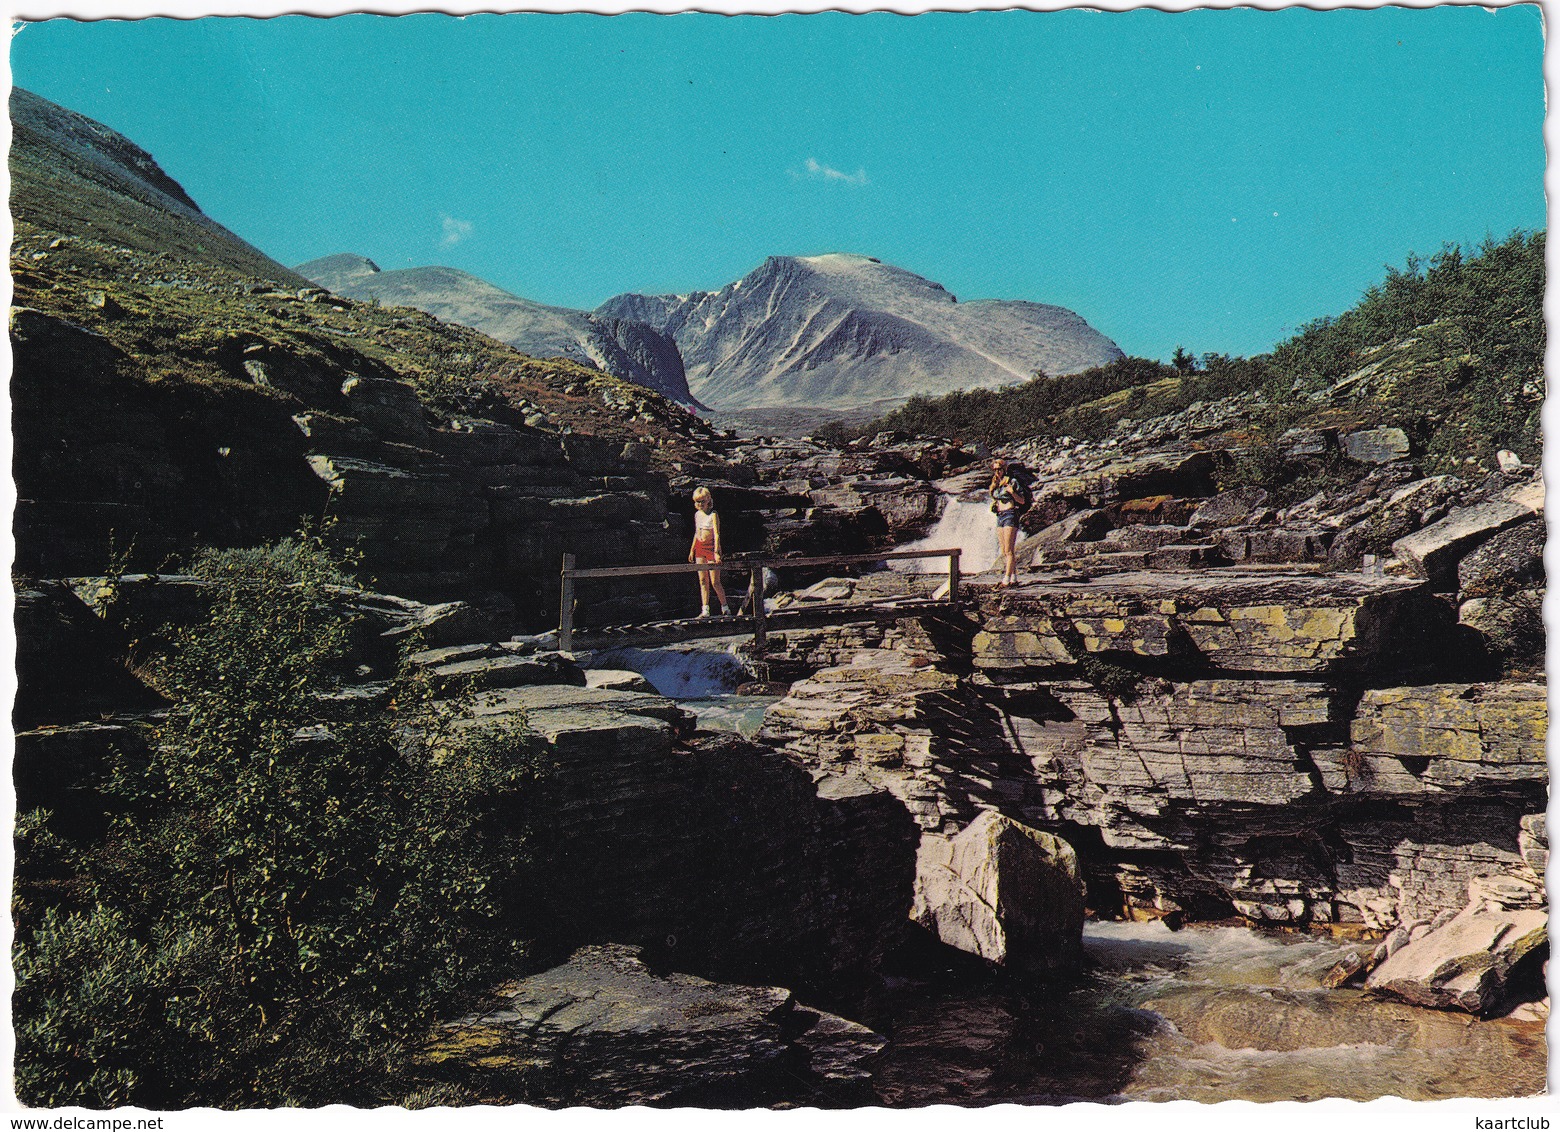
point(968, 526)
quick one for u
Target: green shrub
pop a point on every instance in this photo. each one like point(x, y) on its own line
point(295, 889)
point(1495, 299)
point(1035, 407)
point(1286, 481)
point(1111, 680)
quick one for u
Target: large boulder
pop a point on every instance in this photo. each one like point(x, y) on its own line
point(1511, 560)
point(1436, 551)
point(1004, 892)
point(1230, 508)
point(1376, 445)
point(1511, 625)
point(1061, 538)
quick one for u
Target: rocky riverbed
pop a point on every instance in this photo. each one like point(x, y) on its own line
point(1225, 787)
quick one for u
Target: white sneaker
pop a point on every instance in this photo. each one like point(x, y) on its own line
point(725, 611)
point(706, 612)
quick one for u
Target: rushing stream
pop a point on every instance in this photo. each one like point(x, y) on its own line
point(1203, 1014)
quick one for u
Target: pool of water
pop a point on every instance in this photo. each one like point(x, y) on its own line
point(743, 715)
point(702, 676)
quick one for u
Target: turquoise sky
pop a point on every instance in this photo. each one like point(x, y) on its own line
point(1212, 178)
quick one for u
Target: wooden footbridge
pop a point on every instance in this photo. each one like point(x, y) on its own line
point(751, 616)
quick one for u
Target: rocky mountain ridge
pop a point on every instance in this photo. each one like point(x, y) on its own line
point(841, 331)
point(627, 349)
point(71, 174)
point(172, 388)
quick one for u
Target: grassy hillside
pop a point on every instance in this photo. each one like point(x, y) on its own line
point(192, 322)
point(1450, 349)
point(72, 175)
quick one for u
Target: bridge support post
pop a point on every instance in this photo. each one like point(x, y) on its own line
point(566, 606)
point(756, 603)
point(953, 575)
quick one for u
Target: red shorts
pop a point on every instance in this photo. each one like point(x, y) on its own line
point(704, 551)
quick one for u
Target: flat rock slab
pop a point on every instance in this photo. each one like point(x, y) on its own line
point(603, 1030)
point(617, 680)
point(1464, 964)
point(1237, 620)
point(508, 671)
point(1156, 473)
point(555, 709)
point(1208, 741)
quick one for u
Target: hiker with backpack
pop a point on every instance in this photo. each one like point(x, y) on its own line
point(1010, 498)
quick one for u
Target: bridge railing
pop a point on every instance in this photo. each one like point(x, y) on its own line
point(755, 569)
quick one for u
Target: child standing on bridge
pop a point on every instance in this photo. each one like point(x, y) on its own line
point(706, 548)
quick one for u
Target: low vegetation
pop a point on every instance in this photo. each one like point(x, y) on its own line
point(1450, 349)
point(291, 887)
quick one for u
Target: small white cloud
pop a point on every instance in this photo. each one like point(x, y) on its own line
point(454, 230)
point(818, 171)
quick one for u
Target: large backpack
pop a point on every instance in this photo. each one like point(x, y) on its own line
point(1023, 485)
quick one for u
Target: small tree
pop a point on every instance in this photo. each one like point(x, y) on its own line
point(297, 887)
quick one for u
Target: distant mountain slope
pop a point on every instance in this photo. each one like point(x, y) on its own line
point(841, 331)
point(77, 177)
point(622, 347)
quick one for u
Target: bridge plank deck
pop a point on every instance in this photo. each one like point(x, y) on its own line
point(812, 615)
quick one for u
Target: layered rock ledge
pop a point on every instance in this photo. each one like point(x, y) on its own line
point(1282, 800)
point(1231, 620)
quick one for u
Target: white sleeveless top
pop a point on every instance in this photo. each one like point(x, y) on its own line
point(704, 525)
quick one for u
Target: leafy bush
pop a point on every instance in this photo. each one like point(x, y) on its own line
point(1495, 299)
point(294, 889)
point(1286, 481)
point(994, 416)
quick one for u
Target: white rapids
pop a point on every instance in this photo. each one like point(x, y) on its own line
point(703, 676)
point(968, 526)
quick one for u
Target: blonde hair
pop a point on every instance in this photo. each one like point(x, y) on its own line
point(702, 493)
